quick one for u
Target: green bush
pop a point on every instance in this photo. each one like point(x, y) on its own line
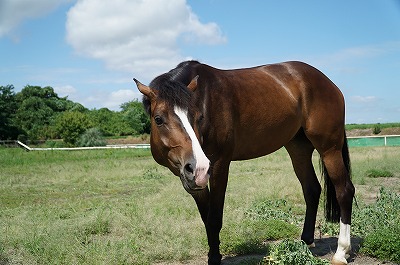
point(70, 126)
point(292, 252)
point(249, 235)
point(379, 173)
point(268, 209)
point(383, 244)
point(92, 137)
point(378, 224)
point(54, 144)
point(377, 129)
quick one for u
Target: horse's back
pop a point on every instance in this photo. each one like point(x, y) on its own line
point(271, 103)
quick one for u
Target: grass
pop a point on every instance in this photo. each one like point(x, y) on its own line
point(120, 207)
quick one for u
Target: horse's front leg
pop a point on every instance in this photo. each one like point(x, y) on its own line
point(210, 205)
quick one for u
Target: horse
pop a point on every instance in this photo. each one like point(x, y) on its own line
point(202, 118)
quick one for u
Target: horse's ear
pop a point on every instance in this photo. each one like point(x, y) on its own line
point(193, 84)
point(145, 90)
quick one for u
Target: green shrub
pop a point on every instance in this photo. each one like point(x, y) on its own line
point(383, 244)
point(92, 137)
point(377, 129)
point(54, 144)
point(249, 235)
point(378, 224)
point(71, 125)
point(268, 209)
point(379, 173)
point(292, 252)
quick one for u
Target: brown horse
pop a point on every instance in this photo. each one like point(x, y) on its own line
point(202, 118)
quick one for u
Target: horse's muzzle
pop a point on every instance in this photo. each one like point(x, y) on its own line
point(194, 175)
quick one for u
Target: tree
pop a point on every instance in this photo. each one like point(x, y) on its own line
point(37, 110)
point(71, 125)
point(135, 115)
point(8, 107)
point(110, 122)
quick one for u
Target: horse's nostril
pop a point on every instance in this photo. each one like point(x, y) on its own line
point(189, 168)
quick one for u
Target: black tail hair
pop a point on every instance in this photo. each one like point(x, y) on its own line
point(332, 209)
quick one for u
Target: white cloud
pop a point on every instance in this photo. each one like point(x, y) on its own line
point(137, 36)
point(364, 99)
point(111, 100)
point(65, 90)
point(118, 97)
point(13, 12)
point(357, 54)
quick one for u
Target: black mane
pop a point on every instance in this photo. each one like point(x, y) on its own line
point(172, 86)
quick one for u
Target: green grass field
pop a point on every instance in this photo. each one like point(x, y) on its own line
point(120, 207)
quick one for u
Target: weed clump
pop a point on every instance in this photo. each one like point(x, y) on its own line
point(379, 173)
point(292, 252)
point(92, 137)
point(378, 225)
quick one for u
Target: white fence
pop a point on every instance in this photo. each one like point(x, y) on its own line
point(137, 146)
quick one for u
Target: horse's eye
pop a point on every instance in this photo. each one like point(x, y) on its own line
point(159, 121)
point(201, 118)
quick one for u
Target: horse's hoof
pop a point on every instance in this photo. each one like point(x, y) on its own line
point(214, 262)
point(214, 259)
point(336, 261)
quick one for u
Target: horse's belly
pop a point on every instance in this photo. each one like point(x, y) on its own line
point(253, 143)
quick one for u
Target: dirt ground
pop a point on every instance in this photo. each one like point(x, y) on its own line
point(369, 132)
point(324, 248)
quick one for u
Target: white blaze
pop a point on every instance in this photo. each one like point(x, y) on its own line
point(343, 243)
point(202, 162)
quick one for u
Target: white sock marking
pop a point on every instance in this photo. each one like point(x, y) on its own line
point(343, 243)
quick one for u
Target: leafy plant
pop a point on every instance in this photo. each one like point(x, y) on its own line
point(71, 125)
point(92, 137)
point(377, 129)
point(379, 173)
point(268, 209)
point(249, 236)
point(378, 224)
point(383, 244)
point(292, 252)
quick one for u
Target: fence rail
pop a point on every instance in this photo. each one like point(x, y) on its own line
point(136, 146)
point(381, 140)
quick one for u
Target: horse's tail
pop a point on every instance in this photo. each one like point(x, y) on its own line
point(332, 209)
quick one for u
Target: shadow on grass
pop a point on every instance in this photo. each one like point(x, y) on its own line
point(326, 247)
point(250, 259)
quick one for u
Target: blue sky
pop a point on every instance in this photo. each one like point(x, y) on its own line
point(89, 50)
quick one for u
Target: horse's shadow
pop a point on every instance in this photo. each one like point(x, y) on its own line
point(324, 248)
point(327, 246)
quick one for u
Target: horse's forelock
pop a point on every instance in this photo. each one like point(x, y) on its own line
point(171, 87)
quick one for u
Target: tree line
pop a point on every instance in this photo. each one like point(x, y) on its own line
point(38, 113)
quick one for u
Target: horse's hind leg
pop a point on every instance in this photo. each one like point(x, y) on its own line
point(300, 150)
point(344, 189)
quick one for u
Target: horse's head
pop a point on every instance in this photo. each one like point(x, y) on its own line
point(175, 131)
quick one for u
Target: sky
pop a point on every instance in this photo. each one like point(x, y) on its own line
point(90, 50)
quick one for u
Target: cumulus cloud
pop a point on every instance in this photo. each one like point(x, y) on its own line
point(137, 36)
point(364, 99)
point(111, 100)
point(13, 12)
point(65, 90)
